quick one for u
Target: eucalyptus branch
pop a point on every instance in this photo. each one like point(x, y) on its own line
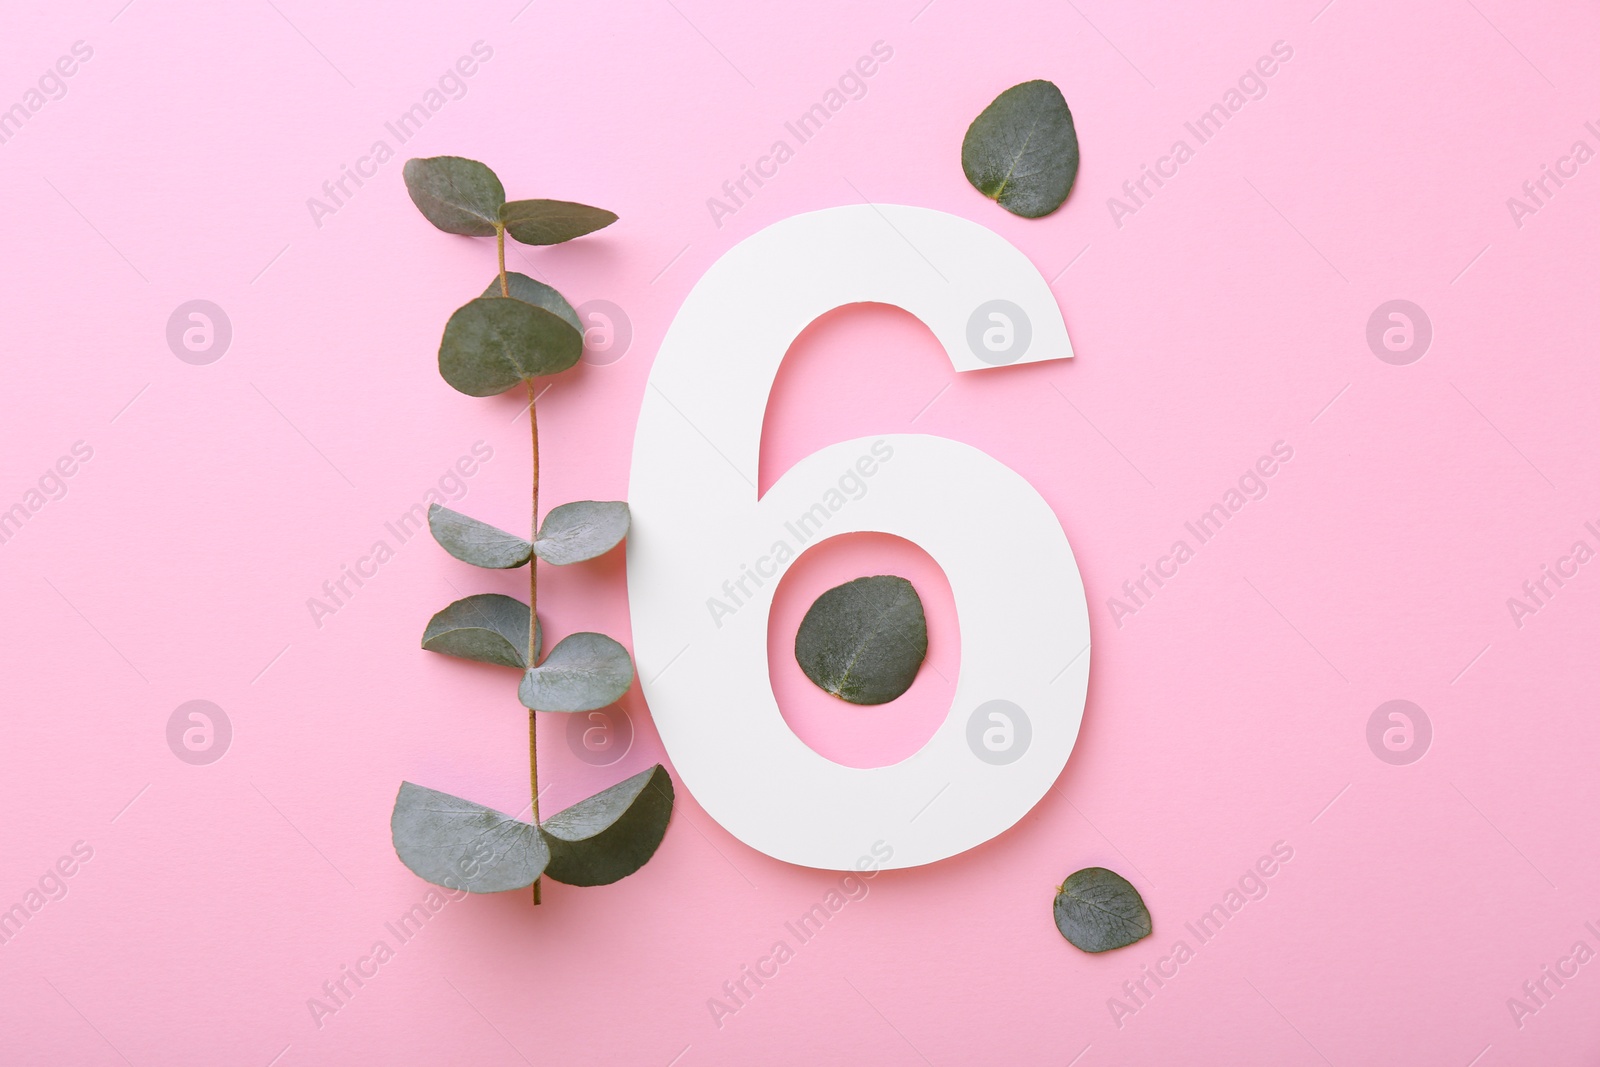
point(516, 331)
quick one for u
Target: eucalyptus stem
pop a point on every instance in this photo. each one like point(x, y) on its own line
point(533, 567)
point(500, 247)
point(533, 597)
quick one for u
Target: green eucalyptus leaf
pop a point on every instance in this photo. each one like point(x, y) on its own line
point(461, 845)
point(612, 834)
point(487, 627)
point(1098, 910)
point(491, 344)
point(476, 542)
point(581, 530)
point(457, 195)
point(863, 641)
point(583, 672)
point(550, 222)
point(1022, 151)
point(539, 294)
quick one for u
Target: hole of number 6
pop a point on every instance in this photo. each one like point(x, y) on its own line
point(857, 736)
point(706, 551)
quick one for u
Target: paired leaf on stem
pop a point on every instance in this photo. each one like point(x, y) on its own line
point(865, 640)
point(571, 533)
point(461, 845)
point(550, 222)
point(487, 627)
point(1022, 150)
point(491, 344)
point(581, 530)
point(612, 834)
point(463, 196)
point(1098, 910)
point(457, 844)
point(476, 542)
point(457, 195)
point(583, 672)
point(539, 294)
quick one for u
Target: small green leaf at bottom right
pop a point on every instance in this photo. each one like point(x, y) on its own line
point(1099, 910)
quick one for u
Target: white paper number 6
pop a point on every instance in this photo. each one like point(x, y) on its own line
point(698, 524)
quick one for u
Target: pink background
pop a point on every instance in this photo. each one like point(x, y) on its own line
point(1228, 313)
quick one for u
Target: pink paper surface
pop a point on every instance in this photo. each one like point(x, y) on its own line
point(1214, 316)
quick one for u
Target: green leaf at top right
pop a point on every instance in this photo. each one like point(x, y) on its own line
point(1022, 151)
